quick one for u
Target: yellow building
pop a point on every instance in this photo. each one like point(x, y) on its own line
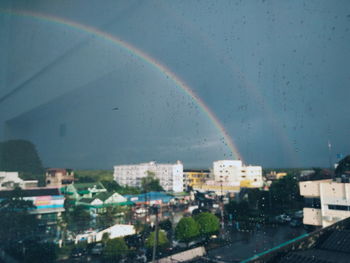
point(196, 177)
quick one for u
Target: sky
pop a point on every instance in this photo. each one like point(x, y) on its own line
point(275, 74)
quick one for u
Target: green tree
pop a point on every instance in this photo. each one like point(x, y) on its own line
point(151, 183)
point(187, 229)
point(208, 223)
point(79, 218)
point(105, 238)
point(16, 222)
point(20, 155)
point(285, 193)
point(237, 210)
point(162, 239)
point(115, 249)
point(166, 225)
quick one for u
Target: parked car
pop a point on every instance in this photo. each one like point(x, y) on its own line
point(97, 249)
point(78, 252)
point(299, 214)
point(296, 222)
point(283, 218)
point(140, 210)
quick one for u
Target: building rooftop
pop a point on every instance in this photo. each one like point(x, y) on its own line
point(327, 245)
point(32, 192)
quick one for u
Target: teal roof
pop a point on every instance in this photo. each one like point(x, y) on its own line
point(104, 195)
point(85, 186)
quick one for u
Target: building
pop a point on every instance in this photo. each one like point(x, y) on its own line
point(150, 198)
point(327, 245)
point(170, 175)
point(101, 201)
point(114, 231)
point(58, 177)
point(273, 175)
point(11, 180)
point(84, 190)
point(48, 204)
point(234, 173)
point(326, 201)
point(195, 177)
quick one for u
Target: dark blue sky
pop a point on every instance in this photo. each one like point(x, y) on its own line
point(275, 73)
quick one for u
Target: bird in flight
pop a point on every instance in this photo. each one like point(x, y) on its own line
point(116, 108)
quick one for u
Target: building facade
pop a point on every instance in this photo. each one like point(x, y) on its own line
point(11, 180)
point(234, 173)
point(326, 201)
point(170, 175)
point(195, 177)
point(58, 177)
point(48, 205)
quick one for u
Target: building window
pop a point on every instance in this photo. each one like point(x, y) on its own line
point(312, 202)
point(339, 207)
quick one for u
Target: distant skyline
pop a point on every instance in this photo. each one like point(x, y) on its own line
point(272, 76)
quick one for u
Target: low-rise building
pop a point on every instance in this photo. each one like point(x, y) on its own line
point(58, 177)
point(326, 201)
point(11, 180)
point(150, 198)
point(78, 191)
point(273, 175)
point(48, 204)
point(101, 201)
point(170, 175)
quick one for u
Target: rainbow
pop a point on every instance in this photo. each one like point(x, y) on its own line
point(140, 54)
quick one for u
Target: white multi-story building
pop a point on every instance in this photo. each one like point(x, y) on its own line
point(326, 201)
point(170, 175)
point(234, 173)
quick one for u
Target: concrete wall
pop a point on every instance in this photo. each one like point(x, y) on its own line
point(312, 216)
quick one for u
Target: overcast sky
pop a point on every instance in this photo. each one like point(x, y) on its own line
point(275, 73)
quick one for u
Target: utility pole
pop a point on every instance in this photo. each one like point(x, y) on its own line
point(330, 155)
point(222, 208)
point(156, 235)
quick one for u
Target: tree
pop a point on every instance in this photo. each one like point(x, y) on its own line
point(187, 229)
point(115, 249)
point(16, 222)
point(237, 210)
point(208, 223)
point(285, 193)
point(166, 225)
point(22, 156)
point(105, 238)
point(162, 239)
point(79, 217)
point(151, 183)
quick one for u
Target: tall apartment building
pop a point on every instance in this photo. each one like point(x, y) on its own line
point(234, 173)
point(326, 201)
point(170, 175)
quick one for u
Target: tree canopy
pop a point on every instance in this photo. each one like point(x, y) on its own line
point(162, 239)
point(285, 192)
point(151, 183)
point(187, 229)
point(16, 222)
point(21, 156)
point(115, 249)
point(208, 223)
